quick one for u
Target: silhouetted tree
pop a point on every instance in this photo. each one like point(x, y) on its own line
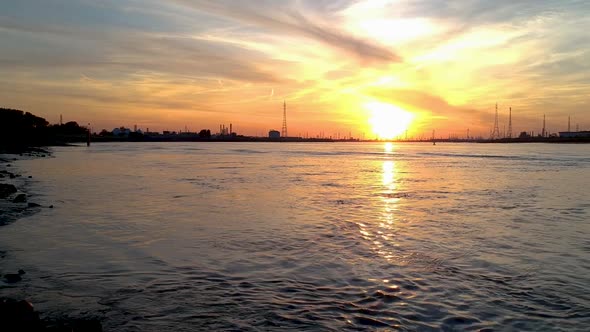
point(21, 129)
point(70, 128)
point(105, 132)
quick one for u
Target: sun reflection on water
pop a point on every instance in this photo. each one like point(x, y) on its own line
point(389, 175)
point(381, 235)
point(388, 147)
point(388, 197)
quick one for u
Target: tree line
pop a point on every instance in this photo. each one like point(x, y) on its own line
point(23, 129)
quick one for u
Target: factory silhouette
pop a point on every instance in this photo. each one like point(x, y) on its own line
point(226, 133)
point(40, 131)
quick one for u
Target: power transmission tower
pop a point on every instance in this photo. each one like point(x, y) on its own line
point(496, 132)
point(543, 132)
point(284, 129)
point(510, 123)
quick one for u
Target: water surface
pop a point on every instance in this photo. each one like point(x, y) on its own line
point(309, 236)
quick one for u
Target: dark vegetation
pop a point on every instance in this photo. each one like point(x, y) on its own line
point(20, 130)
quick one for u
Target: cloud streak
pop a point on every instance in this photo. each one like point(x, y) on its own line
point(123, 51)
point(204, 59)
point(285, 20)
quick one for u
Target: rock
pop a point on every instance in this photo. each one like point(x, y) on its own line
point(21, 316)
point(14, 277)
point(20, 198)
point(11, 278)
point(33, 205)
point(18, 316)
point(51, 206)
point(30, 176)
point(6, 190)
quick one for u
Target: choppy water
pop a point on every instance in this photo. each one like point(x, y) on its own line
point(326, 237)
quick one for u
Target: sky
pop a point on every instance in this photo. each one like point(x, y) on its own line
point(167, 65)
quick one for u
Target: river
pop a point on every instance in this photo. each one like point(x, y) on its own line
point(308, 236)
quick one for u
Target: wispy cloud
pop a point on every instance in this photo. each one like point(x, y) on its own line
point(204, 59)
point(287, 19)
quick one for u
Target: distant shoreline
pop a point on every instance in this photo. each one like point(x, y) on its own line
point(148, 139)
point(190, 138)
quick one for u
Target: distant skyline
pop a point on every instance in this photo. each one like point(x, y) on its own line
point(165, 65)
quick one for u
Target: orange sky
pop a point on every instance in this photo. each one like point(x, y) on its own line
point(165, 65)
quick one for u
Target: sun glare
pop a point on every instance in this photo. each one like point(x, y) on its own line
point(388, 121)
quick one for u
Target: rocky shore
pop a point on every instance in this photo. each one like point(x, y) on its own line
point(15, 203)
point(19, 315)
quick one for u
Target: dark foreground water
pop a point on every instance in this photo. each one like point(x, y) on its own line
point(326, 237)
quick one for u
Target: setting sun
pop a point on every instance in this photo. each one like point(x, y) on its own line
point(387, 120)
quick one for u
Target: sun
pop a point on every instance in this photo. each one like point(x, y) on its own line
point(388, 121)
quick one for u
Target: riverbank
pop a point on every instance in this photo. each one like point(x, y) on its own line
point(17, 202)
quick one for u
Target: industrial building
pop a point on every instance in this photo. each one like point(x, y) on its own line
point(274, 134)
point(574, 134)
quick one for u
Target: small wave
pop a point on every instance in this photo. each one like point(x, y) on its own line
point(562, 161)
point(248, 151)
